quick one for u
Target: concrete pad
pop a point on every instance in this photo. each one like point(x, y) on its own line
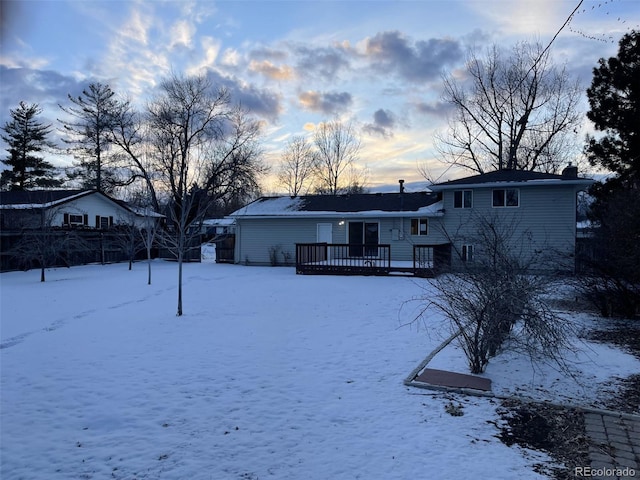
point(443, 378)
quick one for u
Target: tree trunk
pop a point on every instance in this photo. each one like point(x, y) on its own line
point(179, 313)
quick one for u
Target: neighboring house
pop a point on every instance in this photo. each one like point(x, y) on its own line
point(87, 209)
point(218, 226)
point(538, 208)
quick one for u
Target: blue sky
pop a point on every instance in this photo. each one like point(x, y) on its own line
point(297, 63)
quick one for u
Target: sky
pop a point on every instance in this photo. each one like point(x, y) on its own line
point(295, 64)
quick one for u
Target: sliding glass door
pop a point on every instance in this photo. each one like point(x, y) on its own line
point(363, 239)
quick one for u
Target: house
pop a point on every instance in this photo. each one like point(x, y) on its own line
point(67, 227)
point(537, 212)
point(359, 227)
point(404, 231)
point(85, 209)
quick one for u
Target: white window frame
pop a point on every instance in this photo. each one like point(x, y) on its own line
point(463, 198)
point(467, 253)
point(80, 216)
point(505, 197)
point(419, 223)
point(107, 220)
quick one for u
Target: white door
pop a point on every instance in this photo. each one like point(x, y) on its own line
point(325, 235)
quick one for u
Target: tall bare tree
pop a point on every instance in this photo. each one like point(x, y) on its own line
point(184, 119)
point(297, 165)
point(512, 110)
point(233, 163)
point(88, 131)
point(337, 147)
point(129, 132)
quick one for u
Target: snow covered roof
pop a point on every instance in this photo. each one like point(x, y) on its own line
point(376, 204)
point(512, 177)
point(22, 199)
point(219, 222)
point(26, 200)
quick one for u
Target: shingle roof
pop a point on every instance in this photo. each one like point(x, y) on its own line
point(36, 197)
point(503, 176)
point(512, 176)
point(372, 202)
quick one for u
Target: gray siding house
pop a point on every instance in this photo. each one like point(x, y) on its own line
point(535, 211)
point(538, 209)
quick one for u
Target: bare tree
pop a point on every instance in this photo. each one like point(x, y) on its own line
point(513, 110)
point(148, 233)
point(232, 162)
point(297, 165)
point(492, 294)
point(184, 119)
point(337, 148)
point(44, 244)
point(129, 132)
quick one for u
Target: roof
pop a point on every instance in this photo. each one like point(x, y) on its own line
point(37, 197)
point(380, 204)
point(519, 177)
point(25, 200)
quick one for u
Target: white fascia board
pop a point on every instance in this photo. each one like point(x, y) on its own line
point(364, 214)
point(582, 182)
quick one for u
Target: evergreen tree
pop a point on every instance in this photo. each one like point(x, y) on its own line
point(26, 136)
point(94, 112)
point(614, 98)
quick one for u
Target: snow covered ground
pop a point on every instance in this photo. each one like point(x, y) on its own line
point(267, 375)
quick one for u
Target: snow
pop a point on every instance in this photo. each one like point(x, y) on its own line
point(267, 375)
point(293, 207)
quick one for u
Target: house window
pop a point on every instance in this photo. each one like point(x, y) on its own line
point(76, 219)
point(462, 199)
point(104, 223)
point(419, 226)
point(506, 197)
point(467, 253)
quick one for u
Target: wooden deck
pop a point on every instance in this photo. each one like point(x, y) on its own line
point(350, 259)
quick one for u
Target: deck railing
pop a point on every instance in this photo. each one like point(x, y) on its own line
point(358, 259)
point(343, 258)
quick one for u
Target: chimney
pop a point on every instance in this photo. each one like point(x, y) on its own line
point(401, 182)
point(570, 172)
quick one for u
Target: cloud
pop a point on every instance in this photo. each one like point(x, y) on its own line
point(436, 109)
point(261, 102)
point(182, 33)
point(384, 121)
point(392, 52)
point(323, 61)
point(36, 86)
point(328, 103)
point(271, 71)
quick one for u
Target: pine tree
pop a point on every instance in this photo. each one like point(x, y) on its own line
point(90, 134)
point(614, 98)
point(27, 136)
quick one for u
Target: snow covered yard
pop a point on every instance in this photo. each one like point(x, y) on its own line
point(267, 375)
